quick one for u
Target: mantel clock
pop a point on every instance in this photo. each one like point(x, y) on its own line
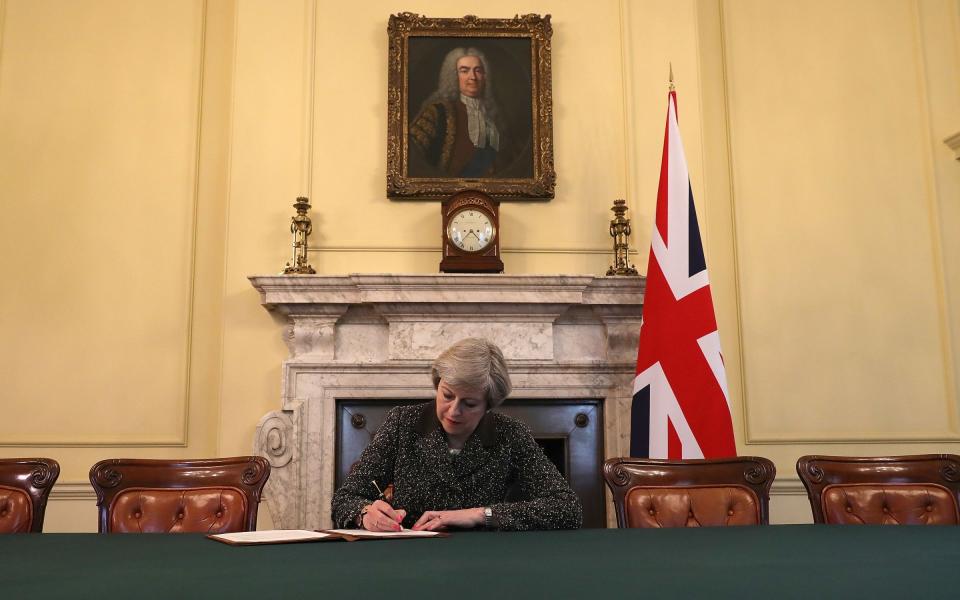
point(471, 234)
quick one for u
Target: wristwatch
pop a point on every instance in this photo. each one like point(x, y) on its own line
point(488, 521)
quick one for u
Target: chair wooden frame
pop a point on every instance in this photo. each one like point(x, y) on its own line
point(818, 472)
point(248, 474)
point(36, 477)
point(752, 473)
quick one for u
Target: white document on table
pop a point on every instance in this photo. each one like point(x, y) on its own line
point(272, 536)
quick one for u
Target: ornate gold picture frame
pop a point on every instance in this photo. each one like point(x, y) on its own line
point(469, 105)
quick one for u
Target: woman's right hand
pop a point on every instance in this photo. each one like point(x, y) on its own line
point(381, 516)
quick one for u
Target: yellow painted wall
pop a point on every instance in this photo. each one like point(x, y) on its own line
point(113, 189)
point(150, 152)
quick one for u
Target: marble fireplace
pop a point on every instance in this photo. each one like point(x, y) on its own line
point(362, 343)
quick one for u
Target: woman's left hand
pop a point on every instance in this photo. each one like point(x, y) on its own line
point(435, 520)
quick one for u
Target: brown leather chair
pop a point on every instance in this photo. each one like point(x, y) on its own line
point(650, 492)
point(25, 485)
point(220, 495)
point(885, 490)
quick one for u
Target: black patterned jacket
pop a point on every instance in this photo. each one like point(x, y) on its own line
point(410, 450)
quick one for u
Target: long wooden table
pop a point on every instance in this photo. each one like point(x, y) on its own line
point(792, 561)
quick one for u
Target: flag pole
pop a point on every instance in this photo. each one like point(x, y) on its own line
point(671, 77)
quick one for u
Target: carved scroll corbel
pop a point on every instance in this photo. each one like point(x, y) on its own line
point(274, 439)
point(277, 439)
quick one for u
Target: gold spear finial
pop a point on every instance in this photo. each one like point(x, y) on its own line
point(671, 77)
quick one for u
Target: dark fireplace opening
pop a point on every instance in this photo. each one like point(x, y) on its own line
point(570, 431)
point(556, 451)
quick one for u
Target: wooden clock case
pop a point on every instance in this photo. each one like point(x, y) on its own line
point(458, 260)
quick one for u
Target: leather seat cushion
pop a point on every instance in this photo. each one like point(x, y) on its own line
point(183, 510)
point(16, 510)
point(694, 506)
point(889, 504)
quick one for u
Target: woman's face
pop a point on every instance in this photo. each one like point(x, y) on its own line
point(459, 410)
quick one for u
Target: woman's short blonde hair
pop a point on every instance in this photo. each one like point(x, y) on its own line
point(474, 364)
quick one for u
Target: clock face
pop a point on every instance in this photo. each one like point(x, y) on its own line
point(471, 230)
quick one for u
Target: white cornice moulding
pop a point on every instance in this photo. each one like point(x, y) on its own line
point(788, 487)
point(73, 490)
point(81, 490)
point(954, 142)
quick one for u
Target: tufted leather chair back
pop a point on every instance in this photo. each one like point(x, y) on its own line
point(650, 492)
point(25, 485)
point(888, 490)
point(189, 496)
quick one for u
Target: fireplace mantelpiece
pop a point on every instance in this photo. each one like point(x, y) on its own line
point(374, 336)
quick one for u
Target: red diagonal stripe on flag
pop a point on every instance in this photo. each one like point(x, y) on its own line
point(669, 336)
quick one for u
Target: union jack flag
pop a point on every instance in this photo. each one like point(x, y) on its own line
point(681, 408)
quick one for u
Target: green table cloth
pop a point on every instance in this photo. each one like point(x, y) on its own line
point(790, 561)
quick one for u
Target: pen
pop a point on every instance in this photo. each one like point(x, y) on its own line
point(386, 494)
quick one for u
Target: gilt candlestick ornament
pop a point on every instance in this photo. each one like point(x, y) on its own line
point(301, 227)
point(619, 231)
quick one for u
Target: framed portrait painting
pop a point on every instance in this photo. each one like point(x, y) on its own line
point(469, 106)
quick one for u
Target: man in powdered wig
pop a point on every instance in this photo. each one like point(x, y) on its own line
point(456, 130)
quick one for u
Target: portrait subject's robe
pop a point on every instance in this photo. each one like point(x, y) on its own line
point(440, 134)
